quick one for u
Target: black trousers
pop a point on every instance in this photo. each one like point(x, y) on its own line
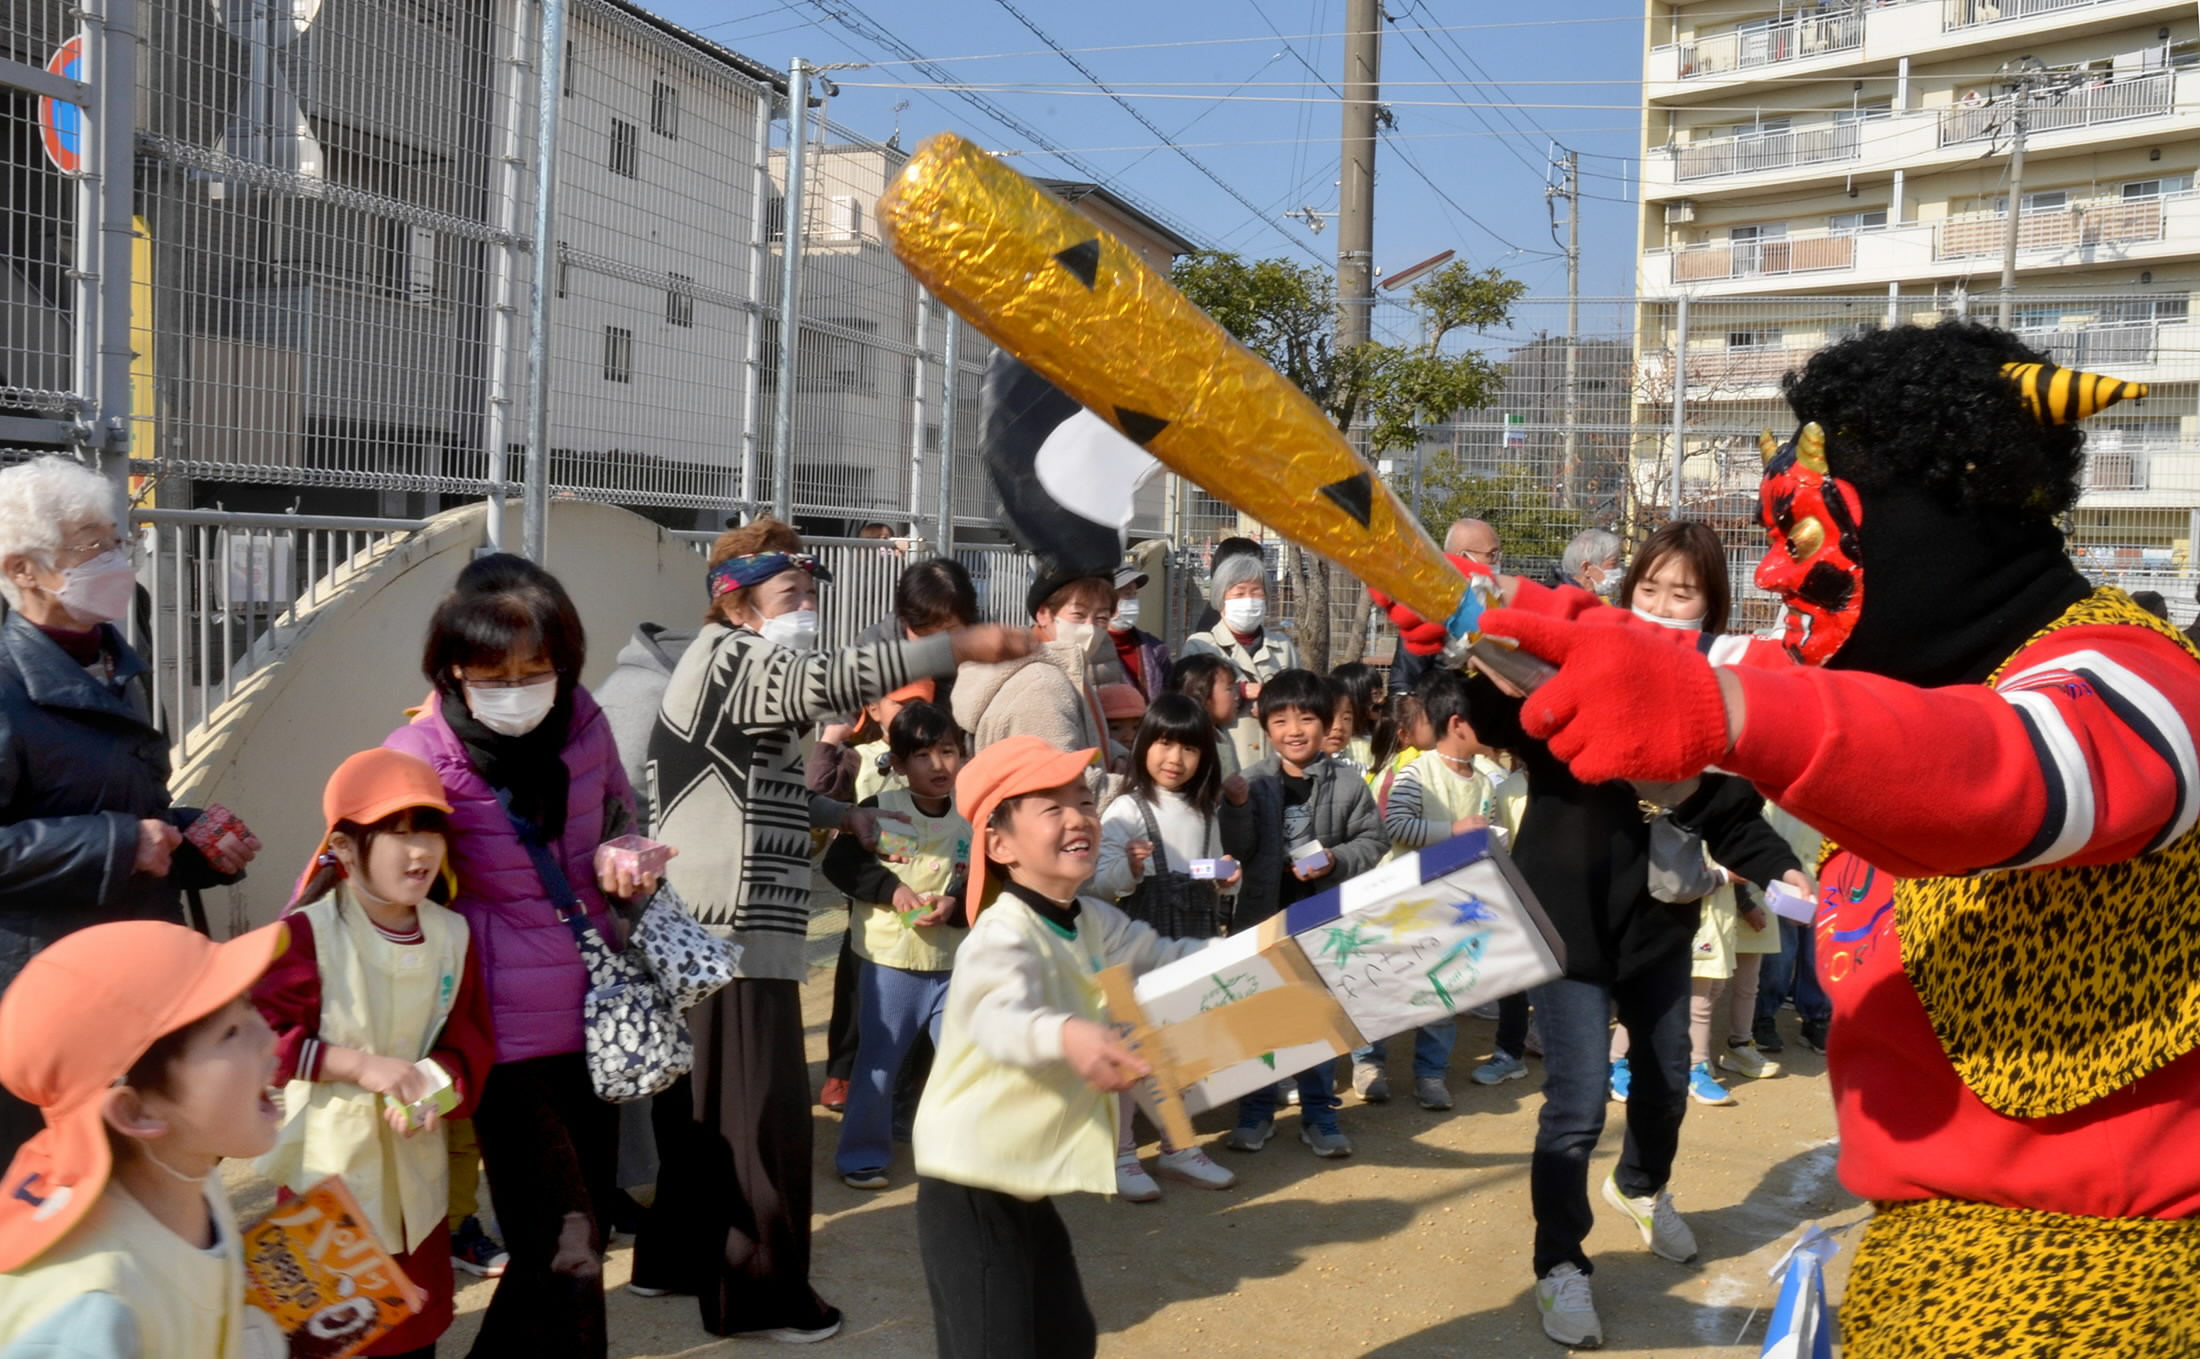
point(1512, 1025)
point(1002, 1276)
point(841, 1031)
point(731, 1221)
point(549, 1147)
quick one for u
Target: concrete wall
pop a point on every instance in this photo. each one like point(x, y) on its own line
point(353, 667)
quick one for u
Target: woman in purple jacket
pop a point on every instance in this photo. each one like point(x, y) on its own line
point(508, 716)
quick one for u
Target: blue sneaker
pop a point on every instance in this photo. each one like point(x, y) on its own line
point(1704, 1088)
point(1620, 1078)
point(1501, 1067)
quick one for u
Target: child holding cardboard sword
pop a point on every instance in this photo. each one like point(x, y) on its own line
point(381, 1021)
point(1021, 1103)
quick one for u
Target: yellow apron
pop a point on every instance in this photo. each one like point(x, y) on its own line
point(390, 999)
point(942, 843)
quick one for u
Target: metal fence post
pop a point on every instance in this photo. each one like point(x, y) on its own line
point(951, 362)
point(549, 94)
point(504, 285)
point(105, 202)
point(790, 289)
point(752, 339)
point(917, 412)
point(1680, 401)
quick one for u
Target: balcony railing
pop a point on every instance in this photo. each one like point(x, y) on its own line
point(1822, 144)
point(1797, 38)
point(2092, 222)
point(2147, 96)
point(1955, 14)
point(2104, 345)
point(1763, 258)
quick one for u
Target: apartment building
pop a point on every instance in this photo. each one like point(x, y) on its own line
point(1812, 171)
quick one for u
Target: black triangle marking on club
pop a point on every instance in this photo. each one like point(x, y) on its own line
point(1083, 260)
point(1355, 495)
point(1142, 428)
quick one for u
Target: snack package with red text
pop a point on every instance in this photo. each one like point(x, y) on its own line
point(314, 1269)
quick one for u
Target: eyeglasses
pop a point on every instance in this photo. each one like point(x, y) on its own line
point(100, 547)
point(523, 682)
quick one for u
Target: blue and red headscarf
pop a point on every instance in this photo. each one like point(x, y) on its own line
point(739, 573)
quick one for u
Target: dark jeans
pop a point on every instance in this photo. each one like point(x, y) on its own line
point(1793, 973)
point(1318, 1102)
point(548, 1146)
point(1002, 1276)
point(1576, 1017)
point(1512, 1025)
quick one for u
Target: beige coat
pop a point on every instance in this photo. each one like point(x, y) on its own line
point(1048, 694)
point(1276, 653)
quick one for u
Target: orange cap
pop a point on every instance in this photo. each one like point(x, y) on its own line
point(1118, 701)
point(924, 690)
point(72, 1024)
point(1006, 769)
point(371, 785)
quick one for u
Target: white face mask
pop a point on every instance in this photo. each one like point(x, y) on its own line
point(1603, 588)
point(796, 631)
point(1085, 635)
point(512, 712)
point(100, 590)
point(1683, 624)
point(1244, 615)
point(1126, 616)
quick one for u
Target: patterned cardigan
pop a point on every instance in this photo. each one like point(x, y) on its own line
point(725, 777)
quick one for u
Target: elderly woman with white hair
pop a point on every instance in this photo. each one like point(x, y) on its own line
point(87, 835)
point(1592, 561)
point(1239, 591)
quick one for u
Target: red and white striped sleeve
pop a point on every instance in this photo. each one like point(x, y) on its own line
point(2082, 754)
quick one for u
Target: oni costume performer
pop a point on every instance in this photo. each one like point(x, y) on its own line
point(2002, 760)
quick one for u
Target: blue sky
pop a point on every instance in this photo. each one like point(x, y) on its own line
point(1479, 92)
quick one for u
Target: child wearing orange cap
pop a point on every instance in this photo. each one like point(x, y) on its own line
point(381, 1021)
point(1021, 1102)
point(1124, 707)
point(139, 1044)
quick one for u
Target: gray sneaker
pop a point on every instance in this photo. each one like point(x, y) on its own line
point(1250, 1136)
point(1327, 1144)
point(1660, 1223)
point(1501, 1067)
point(1569, 1312)
point(1432, 1092)
point(1369, 1083)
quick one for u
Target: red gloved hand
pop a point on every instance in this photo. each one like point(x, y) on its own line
point(1626, 702)
point(1415, 633)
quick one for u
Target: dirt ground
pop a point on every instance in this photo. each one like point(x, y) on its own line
point(1418, 1245)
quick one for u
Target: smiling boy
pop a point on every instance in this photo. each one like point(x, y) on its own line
point(1021, 1102)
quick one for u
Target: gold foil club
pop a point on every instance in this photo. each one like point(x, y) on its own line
point(1045, 283)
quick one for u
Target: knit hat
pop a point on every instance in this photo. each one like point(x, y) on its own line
point(1232, 571)
point(1009, 768)
point(1053, 579)
point(72, 1024)
point(371, 785)
point(1118, 701)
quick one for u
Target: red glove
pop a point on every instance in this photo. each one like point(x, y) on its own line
point(1626, 702)
point(1415, 633)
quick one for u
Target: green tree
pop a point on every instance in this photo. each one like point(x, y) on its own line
point(1389, 393)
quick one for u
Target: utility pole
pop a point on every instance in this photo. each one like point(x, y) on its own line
point(2024, 73)
point(1569, 189)
point(541, 342)
point(1356, 187)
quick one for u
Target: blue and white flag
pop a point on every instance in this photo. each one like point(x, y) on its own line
point(1802, 1324)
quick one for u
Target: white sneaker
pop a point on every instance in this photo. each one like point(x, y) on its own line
point(1660, 1223)
point(1193, 1167)
point(1569, 1312)
point(1743, 1059)
point(1132, 1183)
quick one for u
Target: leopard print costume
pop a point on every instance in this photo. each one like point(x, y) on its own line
point(1940, 1279)
point(2049, 988)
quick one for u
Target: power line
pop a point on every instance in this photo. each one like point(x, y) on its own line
point(1151, 126)
point(1438, 190)
point(873, 31)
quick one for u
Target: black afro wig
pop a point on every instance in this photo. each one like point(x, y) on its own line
point(1927, 406)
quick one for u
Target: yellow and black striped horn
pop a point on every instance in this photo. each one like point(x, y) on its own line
point(2060, 396)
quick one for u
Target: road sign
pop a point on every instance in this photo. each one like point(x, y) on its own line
point(60, 123)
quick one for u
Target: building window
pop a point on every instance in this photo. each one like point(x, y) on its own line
point(679, 302)
point(618, 354)
point(2160, 187)
point(1849, 223)
point(626, 148)
point(2046, 200)
point(775, 218)
point(664, 110)
point(1754, 339)
point(569, 66)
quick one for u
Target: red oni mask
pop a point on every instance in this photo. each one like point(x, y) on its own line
point(1814, 563)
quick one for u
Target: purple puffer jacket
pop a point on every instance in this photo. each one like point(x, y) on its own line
point(528, 959)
